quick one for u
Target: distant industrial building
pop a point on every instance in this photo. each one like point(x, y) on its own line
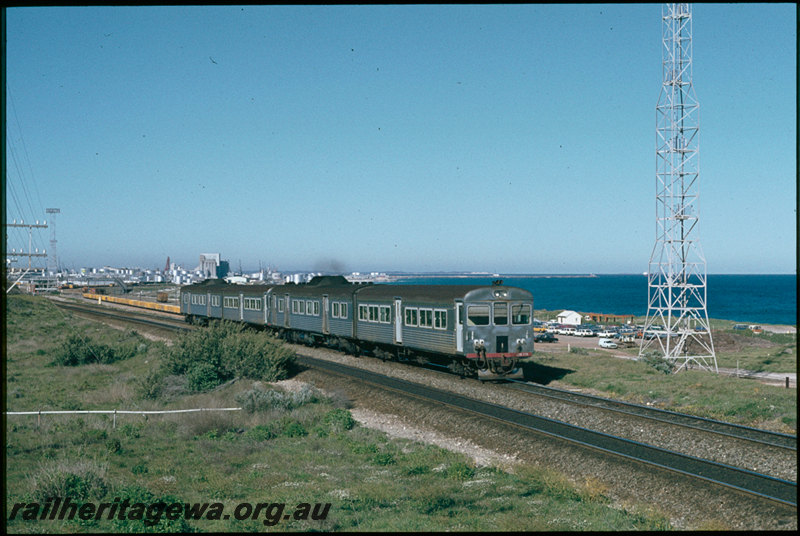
point(212, 267)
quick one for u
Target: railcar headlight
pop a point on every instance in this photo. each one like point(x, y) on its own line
point(521, 341)
point(478, 343)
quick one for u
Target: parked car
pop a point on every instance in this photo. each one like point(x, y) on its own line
point(607, 333)
point(566, 331)
point(545, 337)
point(584, 332)
point(607, 343)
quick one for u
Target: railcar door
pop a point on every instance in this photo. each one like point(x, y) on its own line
point(325, 329)
point(286, 313)
point(459, 327)
point(398, 321)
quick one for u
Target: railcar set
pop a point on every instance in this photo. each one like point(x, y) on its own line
point(471, 329)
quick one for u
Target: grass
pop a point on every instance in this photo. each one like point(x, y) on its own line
point(698, 393)
point(287, 447)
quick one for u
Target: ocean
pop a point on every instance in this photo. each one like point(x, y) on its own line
point(753, 299)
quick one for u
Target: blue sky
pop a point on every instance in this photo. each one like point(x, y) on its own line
point(514, 139)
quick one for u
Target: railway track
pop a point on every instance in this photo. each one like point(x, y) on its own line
point(147, 320)
point(757, 484)
point(756, 435)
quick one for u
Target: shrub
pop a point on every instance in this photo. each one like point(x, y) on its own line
point(258, 399)
point(79, 350)
point(79, 480)
point(150, 385)
point(384, 458)
point(459, 471)
point(203, 376)
point(260, 433)
point(153, 519)
point(339, 420)
point(223, 351)
point(659, 363)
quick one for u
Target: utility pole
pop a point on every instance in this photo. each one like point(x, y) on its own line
point(30, 254)
point(52, 260)
point(676, 278)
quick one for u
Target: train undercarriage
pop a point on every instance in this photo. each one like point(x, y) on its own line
point(483, 367)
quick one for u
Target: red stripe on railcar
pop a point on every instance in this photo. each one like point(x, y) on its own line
point(520, 354)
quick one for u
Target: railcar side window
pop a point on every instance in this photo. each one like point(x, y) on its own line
point(363, 313)
point(500, 314)
point(230, 303)
point(214, 301)
point(426, 318)
point(280, 306)
point(478, 315)
point(185, 298)
point(520, 314)
point(440, 319)
point(339, 310)
point(411, 317)
point(386, 314)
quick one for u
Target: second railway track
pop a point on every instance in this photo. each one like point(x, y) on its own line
point(756, 435)
point(757, 484)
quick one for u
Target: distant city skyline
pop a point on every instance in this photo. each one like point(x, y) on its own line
point(507, 139)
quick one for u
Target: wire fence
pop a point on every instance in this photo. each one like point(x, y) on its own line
point(113, 412)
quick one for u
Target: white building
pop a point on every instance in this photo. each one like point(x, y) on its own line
point(208, 264)
point(569, 317)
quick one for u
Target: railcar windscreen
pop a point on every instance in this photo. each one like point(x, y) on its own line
point(521, 314)
point(478, 315)
point(500, 314)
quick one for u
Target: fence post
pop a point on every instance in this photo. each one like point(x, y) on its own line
point(787, 382)
point(39, 419)
point(115, 419)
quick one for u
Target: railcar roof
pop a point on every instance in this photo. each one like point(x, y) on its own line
point(440, 293)
point(218, 286)
point(417, 292)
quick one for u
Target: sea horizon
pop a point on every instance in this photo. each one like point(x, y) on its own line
point(746, 298)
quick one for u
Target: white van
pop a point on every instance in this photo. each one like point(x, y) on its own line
point(607, 343)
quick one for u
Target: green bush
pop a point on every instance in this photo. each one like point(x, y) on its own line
point(80, 350)
point(79, 480)
point(203, 376)
point(459, 471)
point(259, 399)
point(260, 432)
point(661, 364)
point(223, 351)
point(154, 519)
point(339, 420)
point(150, 385)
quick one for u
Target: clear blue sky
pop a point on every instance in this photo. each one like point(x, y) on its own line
point(515, 139)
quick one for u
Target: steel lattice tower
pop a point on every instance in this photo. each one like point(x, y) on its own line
point(676, 276)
